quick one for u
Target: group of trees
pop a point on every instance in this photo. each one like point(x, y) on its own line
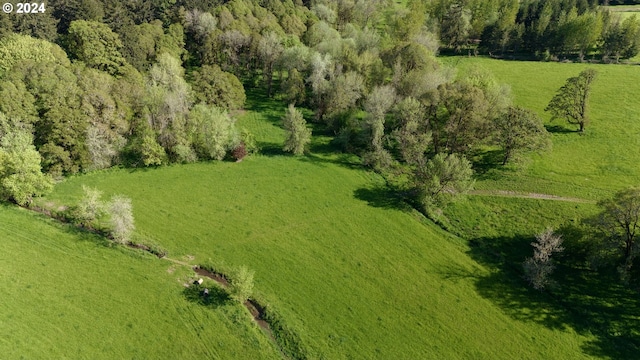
point(118, 212)
point(613, 235)
point(114, 89)
point(542, 27)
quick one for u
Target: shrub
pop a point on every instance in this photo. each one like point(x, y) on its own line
point(241, 284)
point(121, 219)
point(240, 152)
point(89, 208)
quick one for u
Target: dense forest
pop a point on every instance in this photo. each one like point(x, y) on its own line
point(92, 84)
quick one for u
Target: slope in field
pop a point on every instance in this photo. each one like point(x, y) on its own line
point(67, 294)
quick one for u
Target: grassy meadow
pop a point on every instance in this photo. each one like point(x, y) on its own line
point(591, 166)
point(351, 270)
point(68, 294)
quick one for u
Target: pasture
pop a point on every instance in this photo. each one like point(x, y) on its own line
point(589, 166)
point(69, 294)
point(351, 270)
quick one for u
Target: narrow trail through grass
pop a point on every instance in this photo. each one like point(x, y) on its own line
point(525, 195)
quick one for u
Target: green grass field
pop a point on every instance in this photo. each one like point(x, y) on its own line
point(68, 294)
point(353, 272)
point(591, 166)
point(625, 11)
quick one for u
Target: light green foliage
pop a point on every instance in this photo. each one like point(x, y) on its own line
point(344, 91)
point(463, 117)
point(219, 88)
point(150, 152)
point(121, 219)
point(269, 50)
point(95, 44)
point(20, 173)
point(298, 135)
point(571, 102)
point(442, 179)
point(201, 24)
point(90, 207)
point(15, 49)
point(378, 103)
point(168, 101)
point(108, 115)
point(412, 134)
point(241, 284)
point(249, 141)
point(519, 130)
point(211, 131)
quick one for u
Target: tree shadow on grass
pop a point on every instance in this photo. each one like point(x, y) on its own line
point(348, 161)
point(594, 304)
point(271, 149)
point(383, 197)
point(216, 297)
point(559, 129)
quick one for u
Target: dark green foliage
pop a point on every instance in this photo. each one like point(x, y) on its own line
point(60, 131)
point(623, 39)
point(616, 229)
point(519, 130)
point(95, 44)
point(215, 87)
point(67, 11)
point(571, 102)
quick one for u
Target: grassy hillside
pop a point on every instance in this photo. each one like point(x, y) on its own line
point(67, 294)
point(591, 166)
point(354, 273)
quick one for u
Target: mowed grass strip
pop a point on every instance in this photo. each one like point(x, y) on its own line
point(351, 271)
point(592, 166)
point(67, 294)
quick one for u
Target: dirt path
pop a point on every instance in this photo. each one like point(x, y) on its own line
point(524, 195)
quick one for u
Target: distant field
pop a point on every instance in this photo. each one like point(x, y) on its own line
point(624, 10)
point(592, 166)
point(68, 295)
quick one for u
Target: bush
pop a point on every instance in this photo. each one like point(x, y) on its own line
point(240, 152)
point(89, 208)
point(241, 284)
point(121, 219)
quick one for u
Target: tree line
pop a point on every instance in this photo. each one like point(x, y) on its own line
point(104, 83)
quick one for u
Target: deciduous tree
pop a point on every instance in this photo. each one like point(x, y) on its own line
point(538, 268)
point(21, 177)
point(571, 102)
point(121, 219)
point(519, 130)
point(297, 133)
point(442, 179)
point(617, 226)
